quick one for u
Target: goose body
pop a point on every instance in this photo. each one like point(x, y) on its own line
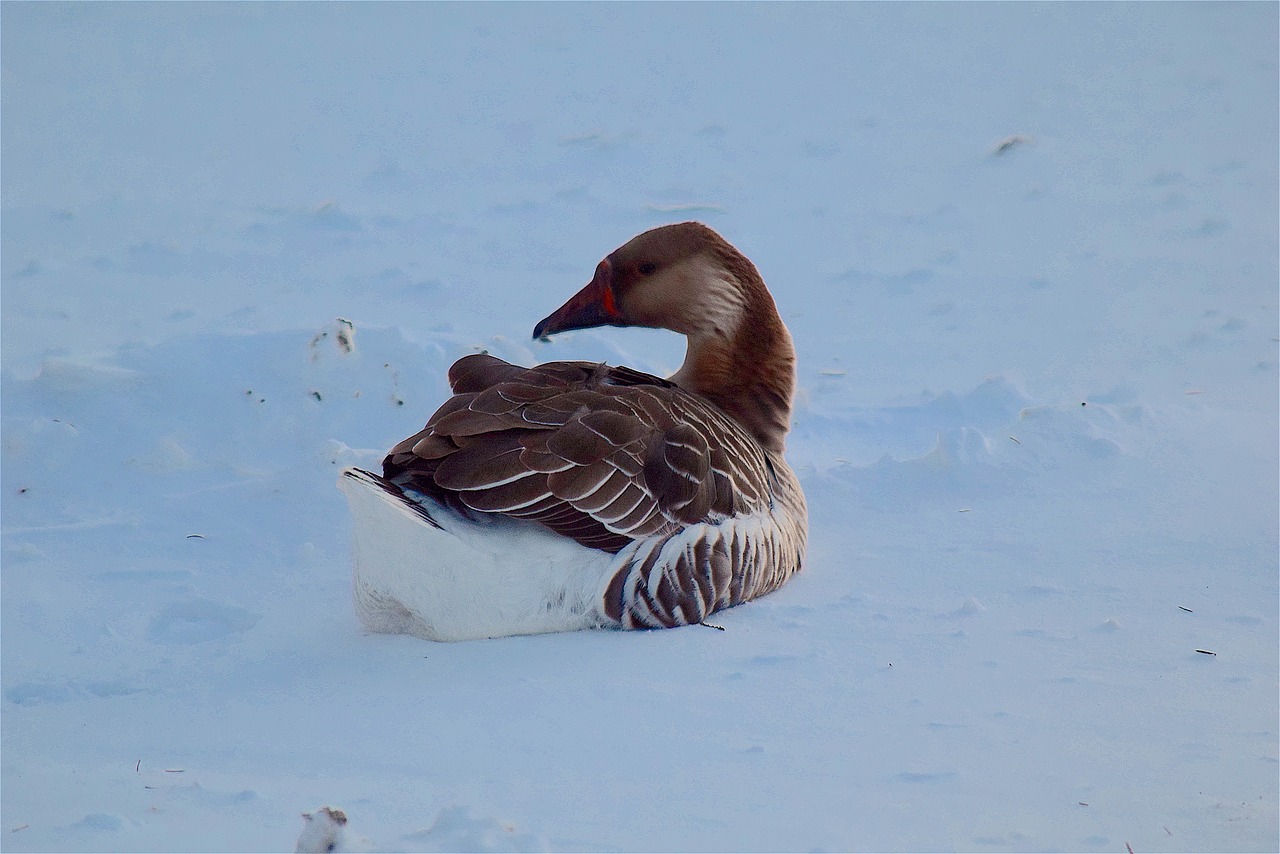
point(574, 495)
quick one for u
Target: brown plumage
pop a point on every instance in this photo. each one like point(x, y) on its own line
point(683, 479)
point(603, 455)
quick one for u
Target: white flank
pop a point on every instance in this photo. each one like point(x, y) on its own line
point(468, 579)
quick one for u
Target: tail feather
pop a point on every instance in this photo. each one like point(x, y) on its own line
point(395, 492)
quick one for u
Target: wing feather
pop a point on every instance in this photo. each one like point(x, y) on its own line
point(516, 497)
point(479, 372)
point(602, 455)
point(484, 462)
point(580, 482)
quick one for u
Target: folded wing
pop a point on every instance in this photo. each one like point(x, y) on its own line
point(603, 455)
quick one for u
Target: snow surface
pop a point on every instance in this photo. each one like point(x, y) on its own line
point(1029, 257)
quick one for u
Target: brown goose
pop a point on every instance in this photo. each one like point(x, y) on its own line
point(574, 494)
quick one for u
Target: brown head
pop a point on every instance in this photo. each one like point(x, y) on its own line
point(683, 277)
point(689, 279)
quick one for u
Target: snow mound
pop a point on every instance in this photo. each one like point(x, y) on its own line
point(455, 829)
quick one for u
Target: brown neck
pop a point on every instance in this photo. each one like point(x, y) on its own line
point(748, 372)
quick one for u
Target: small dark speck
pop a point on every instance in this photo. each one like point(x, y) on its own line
point(1009, 142)
point(1205, 652)
point(262, 400)
point(316, 395)
point(399, 402)
point(22, 491)
point(1083, 403)
point(1188, 610)
point(195, 536)
point(249, 392)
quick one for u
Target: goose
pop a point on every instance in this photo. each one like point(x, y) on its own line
point(575, 495)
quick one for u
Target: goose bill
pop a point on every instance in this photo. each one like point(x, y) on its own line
point(592, 306)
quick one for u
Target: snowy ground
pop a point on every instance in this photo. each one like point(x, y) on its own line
point(1038, 422)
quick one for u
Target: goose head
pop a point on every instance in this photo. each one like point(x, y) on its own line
point(683, 277)
point(689, 279)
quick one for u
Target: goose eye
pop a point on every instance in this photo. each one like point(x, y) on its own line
point(647, 269)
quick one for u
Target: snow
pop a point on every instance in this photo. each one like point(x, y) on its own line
point(1029, 257)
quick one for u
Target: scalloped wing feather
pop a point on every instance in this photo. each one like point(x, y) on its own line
point(603, 455)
